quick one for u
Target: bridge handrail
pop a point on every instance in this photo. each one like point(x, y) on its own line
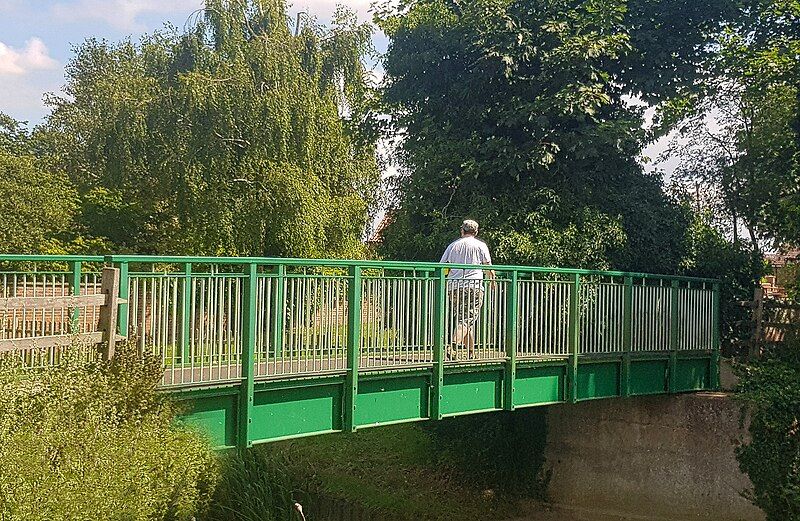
point(327, 262)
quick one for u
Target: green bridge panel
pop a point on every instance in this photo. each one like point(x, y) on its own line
point(649, 377)
point(692, 374)
point(598, 380)
point(540, 385)
point(382, 401)
point(472, 391)
point(286, 409)
point(314, 407)
point(214, 416)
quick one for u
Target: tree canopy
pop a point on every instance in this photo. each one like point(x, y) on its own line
point(38, 205)
point(740, 137)
point(517, 114)
point(233, 137)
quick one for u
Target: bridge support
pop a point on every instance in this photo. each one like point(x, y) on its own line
point(247, 385)
point(437, 377)
point(353, 348)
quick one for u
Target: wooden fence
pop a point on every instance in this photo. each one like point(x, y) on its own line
point(103, 334)
point(771, 321)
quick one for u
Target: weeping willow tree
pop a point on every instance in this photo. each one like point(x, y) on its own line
point(233, 136)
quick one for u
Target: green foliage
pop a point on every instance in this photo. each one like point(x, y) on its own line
point(747, 162)
point(515, 117)
point(233, 138)
point(87, 441)
point(37, 207)
point(709, 254)
point(770, 388)
point(465, 468)
point(789, 277)
point(254, 486)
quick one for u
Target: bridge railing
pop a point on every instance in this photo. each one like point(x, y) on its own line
point(222, 320)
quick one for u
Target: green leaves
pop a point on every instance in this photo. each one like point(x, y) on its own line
point(503, 102)
point(37, 208)
point(770, 388)
point(217, 140)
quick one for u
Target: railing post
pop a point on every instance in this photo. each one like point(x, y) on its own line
point(353, 348)
point(439, 310)
point(574, 336)
point(186, 323)
point(715, 343)
point(247, 384)
point(124, 290)
point(279, 310)
point(75, 286)
point(627, 336)
point(511, 342)
point(673, 337)
point(109, 311)
point(423, 325)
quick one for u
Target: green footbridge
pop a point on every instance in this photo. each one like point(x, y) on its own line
point(264, 349)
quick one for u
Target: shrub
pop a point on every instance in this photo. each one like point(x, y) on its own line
point(771, 389)
point(87, 440)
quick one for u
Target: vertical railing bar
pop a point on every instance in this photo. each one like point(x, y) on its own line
point(75, 285)
point(353, 347)
point(511, 317)
point(440, 312)
point(627, 335)
point(574, 336)
point(673, 337)
point(246, 386)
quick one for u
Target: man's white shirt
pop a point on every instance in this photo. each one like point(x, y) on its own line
point(466, 250)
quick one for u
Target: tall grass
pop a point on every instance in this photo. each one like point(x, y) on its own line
point(254, 485)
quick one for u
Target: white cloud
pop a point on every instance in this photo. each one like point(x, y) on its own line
point(121, 14)
point(34, 56)
point(9, 5)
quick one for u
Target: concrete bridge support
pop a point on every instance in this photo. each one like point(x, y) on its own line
point(655, 457)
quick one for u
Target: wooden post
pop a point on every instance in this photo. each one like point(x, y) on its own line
point(758, 322)
point(109, 311)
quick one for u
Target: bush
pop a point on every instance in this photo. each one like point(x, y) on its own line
point(93, 440)
point(770, 387)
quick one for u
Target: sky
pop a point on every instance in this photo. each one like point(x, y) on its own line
point(37, 39)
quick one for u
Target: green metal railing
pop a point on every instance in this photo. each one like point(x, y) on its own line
point(215, 320)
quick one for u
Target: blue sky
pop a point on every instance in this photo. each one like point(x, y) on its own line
point(37, 38)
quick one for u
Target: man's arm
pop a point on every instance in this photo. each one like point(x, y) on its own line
point(487, 261)
point(446, 254)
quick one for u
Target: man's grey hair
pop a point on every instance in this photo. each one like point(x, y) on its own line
point(469, 226)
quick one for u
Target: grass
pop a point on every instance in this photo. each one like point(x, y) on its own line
point(466, 468)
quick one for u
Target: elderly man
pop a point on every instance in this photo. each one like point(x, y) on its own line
point(465, 286)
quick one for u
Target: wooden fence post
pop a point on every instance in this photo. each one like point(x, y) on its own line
point(109, 311)
point(758, 322)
